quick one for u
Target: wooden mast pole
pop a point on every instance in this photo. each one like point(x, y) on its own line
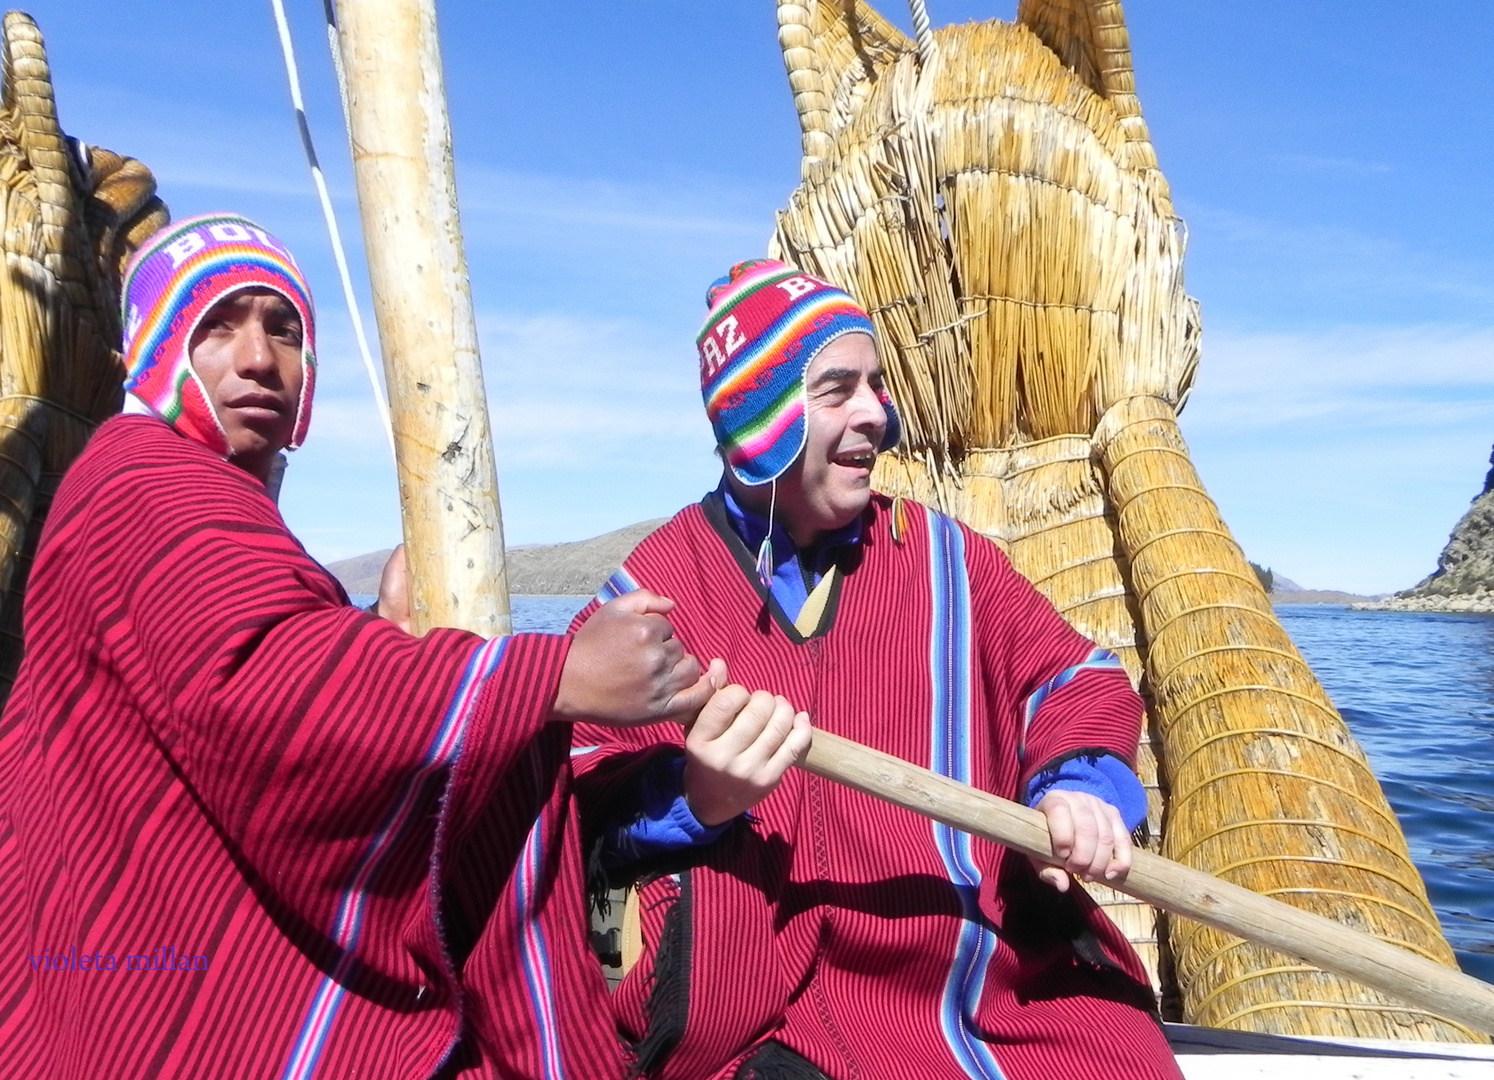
point(402, 160)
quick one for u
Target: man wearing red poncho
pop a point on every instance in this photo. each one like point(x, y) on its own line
point(828, 935)
point(246, 829)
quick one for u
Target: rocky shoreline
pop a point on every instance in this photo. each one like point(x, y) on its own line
point(1479, 603)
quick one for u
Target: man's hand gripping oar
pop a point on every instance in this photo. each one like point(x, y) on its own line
point(1165, 884)
point(729, 723)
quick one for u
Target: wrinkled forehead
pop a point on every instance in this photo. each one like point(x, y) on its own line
point(850, 357)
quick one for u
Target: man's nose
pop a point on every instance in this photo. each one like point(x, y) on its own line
point(867, 411)
point(255, 353)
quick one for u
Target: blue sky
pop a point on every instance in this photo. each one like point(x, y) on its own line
point(1333, 163)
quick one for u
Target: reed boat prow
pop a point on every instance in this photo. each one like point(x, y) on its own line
point(72, 214)
point(990, 193)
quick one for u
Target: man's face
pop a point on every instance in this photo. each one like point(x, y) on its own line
point(247, 353)
point(830, 484)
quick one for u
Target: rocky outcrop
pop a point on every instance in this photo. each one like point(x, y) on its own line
point(1464, 578)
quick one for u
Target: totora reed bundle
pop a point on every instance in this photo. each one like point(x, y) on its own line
point(991, 195)
point(72, 215)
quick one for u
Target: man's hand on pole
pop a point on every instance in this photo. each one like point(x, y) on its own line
point(394, 590)
point(626, 668)
point(1088, 835)
point(738, 749)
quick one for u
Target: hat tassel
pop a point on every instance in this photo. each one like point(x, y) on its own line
point(765, 549)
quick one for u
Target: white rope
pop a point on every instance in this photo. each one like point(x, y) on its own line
point(923, 32)
point(334, 44)
point(326, 200)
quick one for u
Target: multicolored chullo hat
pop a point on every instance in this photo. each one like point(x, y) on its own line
point(767, 323)
point(170, 284)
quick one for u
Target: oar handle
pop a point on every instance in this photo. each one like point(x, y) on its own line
point(1165, 884)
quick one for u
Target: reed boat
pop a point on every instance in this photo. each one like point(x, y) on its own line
point(990, 193)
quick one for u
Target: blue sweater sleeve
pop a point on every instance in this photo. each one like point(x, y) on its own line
point(1104, 776)
point(663, 822)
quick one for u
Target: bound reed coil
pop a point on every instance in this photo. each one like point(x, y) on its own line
point(995, 202)
point(72, 215)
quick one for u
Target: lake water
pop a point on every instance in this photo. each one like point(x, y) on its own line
point(1417, 690)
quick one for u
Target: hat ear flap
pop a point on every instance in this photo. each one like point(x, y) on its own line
point(198, 418)
point(303, 406)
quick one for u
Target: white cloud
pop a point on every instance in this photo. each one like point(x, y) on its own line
point(1318, 163)
point(1343, 457)
point(568, 390)
point(1401, 377)
point(534, 200)
point(1326, 264)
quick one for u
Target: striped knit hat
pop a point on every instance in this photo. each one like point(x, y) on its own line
point(767, 323)
point(170, 284)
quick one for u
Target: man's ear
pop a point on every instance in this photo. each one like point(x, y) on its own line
point(1090, 37)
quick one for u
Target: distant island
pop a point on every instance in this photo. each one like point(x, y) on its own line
point(1464, 578)
point(1286, 591)
point(577, 568)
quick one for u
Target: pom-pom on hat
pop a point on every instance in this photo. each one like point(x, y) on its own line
point(169, 285)
point(767, 323)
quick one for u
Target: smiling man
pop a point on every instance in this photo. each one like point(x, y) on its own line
point(365, 836)
point(829, 935)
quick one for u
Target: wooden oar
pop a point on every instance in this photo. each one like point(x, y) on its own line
point(1165, 884)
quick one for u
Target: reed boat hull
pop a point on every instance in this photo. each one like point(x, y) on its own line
point(990, 194)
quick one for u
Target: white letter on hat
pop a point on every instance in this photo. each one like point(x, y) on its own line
point(730, 335)
point(227, 232)
point(797, 286)
point(185, 246)
point(710, 358)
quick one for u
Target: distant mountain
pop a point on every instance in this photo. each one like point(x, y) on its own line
point(1318, 596)
point(577, 568)
point(1286, 591)
point(360, 574)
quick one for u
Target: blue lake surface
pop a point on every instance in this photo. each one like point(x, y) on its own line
point(546, 614)
point(1417, 690)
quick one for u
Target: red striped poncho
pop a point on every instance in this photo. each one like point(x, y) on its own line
point(871, 941)
point(247, 830)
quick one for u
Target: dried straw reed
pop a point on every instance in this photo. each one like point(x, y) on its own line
point(1269, 790)
point(994, 200)
point(70, 224)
